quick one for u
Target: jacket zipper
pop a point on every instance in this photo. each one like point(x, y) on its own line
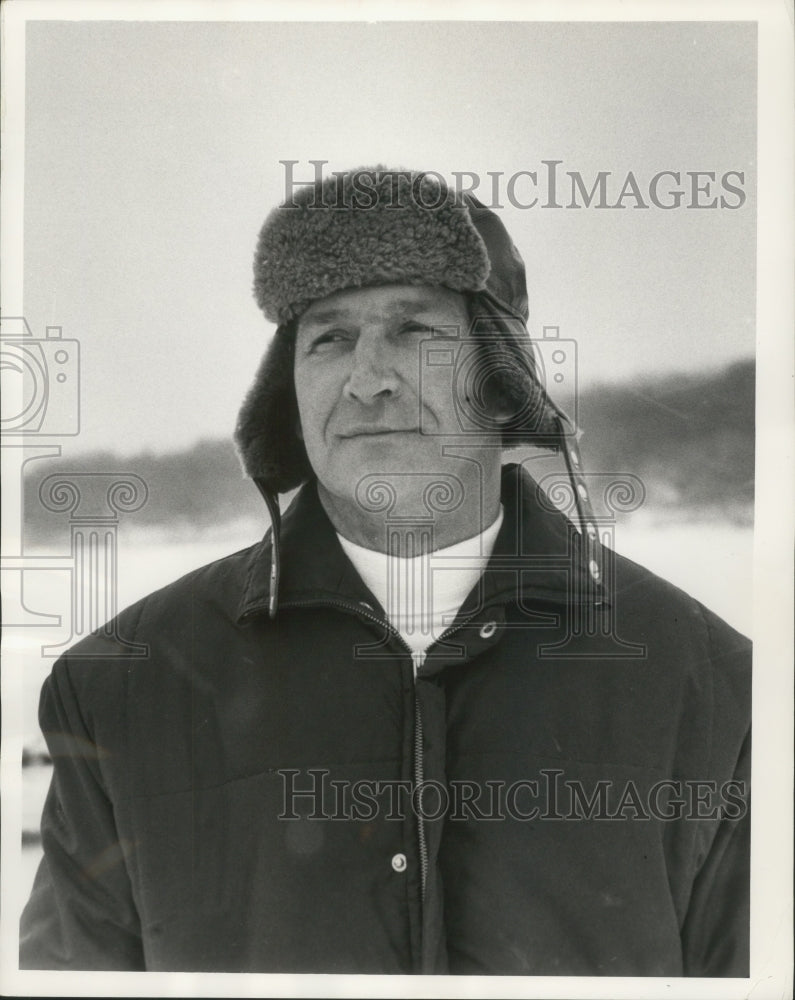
point(419, 769)
point(419, 773)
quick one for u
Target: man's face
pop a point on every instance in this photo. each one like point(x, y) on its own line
point(363, 397)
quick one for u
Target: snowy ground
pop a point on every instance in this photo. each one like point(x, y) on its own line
point(713, 562)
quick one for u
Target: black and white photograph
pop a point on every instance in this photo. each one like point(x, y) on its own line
point(397, 443)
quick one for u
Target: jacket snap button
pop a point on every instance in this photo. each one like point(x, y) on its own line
point(488, 630)
point(399, 862)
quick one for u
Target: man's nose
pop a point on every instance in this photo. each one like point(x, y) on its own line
point(373, 376)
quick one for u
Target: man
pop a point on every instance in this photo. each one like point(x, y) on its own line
point(428, 724)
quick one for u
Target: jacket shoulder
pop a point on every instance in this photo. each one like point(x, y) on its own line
point(211, 591)
point(683, 635)
point(635, 585)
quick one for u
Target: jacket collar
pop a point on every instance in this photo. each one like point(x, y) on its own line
point(537, 552)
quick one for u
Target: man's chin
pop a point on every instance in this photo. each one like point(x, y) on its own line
point(367, 462)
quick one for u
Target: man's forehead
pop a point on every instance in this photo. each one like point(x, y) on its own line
point(383, 300)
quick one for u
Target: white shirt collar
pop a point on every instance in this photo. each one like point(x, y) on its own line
point(422, 595)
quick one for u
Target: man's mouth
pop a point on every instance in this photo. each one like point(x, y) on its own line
point(374, 430)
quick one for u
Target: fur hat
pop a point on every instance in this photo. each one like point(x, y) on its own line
point(372, 226)
point(366, 227)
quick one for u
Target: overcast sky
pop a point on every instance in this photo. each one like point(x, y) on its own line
point(152, 158)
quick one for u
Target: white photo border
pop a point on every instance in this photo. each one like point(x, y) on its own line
point(771, 940)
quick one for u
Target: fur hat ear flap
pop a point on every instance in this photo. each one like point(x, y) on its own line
point(505, 382)
point(265, 435)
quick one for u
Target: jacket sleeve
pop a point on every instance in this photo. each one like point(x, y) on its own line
point(716, 929)
point(81, 914)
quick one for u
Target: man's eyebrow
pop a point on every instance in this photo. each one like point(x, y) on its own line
point(418, 305)
point(398, 305)
point(327, 316)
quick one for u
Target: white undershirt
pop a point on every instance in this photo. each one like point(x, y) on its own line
point(422, 595)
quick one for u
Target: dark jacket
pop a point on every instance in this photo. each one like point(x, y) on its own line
point(569, 741)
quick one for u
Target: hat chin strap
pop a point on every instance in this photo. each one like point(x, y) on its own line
point(272, 501)
point(585, 517)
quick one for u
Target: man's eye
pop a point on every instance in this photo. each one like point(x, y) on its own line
point(414, 326)
point(329, 339)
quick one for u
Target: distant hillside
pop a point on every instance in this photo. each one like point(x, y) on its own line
point(199, 488)
point(689, 438)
